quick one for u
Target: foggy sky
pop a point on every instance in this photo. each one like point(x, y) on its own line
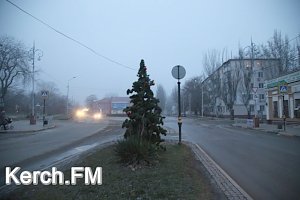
point(164, 33)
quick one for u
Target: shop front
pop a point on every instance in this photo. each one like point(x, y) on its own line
point(283, 97)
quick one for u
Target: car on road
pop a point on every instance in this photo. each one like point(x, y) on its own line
point(84, 114)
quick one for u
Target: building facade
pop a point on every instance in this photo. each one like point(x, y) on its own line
point(118, 104)
point(283, 97)
point(104, 105)
point(240, 81)
point(113, 105)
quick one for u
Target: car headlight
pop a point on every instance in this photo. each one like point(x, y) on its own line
point(80, 114)
point(97, 116)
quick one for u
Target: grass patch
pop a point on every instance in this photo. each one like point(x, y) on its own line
point(176, 175)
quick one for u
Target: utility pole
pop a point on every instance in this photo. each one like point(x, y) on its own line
point(68, 88)
point(40, 54)
point(32, 119)
point(202, 101)
point(190, 103)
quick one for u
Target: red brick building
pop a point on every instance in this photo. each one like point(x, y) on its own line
point(113, 105)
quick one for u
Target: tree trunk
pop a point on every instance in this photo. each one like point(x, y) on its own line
point(232, 114)
point(1, 104)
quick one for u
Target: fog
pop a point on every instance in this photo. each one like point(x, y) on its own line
point(109, 38)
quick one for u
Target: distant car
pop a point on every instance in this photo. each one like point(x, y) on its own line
point(84, 114)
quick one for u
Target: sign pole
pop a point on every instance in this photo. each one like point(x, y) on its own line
point(178, 73)
point(44, 95)
point(44, 111)
point(179, 113)
point(283, 89)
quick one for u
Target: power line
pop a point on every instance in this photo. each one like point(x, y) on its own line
point(70, 38)
point(298, 36)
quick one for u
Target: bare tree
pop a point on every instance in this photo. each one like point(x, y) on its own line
point(174, 96)
point(55, 102)
point(161, 96)
point(230, 83)
point(49, 86)
point(17, 101)
point(14, 64)
point(279, 47)
point(192, 90)
point(169, 105)
point(246, 80)
point(211, 61)
point(90, 101)
point(172, 101)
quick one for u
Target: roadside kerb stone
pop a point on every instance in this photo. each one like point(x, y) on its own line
point(252, 128)
point(275, 131)
point(222, 180)
point(227, 185)
point(26, 131)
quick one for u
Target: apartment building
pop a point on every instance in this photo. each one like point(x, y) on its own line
point(241, 82)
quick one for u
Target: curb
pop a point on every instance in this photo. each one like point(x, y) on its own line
point(258, 129)
point(221, 179)
point(278, 132)
point(227, 185)
point(26, 131)
point(286, 134)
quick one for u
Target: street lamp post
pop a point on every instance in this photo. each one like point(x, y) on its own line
point(39, 54)
point(68, 88)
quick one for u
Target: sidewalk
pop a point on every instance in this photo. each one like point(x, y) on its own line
point(23, 126)
point(291, 130)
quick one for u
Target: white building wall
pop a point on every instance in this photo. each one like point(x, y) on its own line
point(267, 67)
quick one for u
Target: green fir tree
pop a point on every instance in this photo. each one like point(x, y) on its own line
point(145, 119)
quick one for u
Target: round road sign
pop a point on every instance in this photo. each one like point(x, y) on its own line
point(178, 72)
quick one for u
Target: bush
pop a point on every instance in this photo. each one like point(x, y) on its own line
point(134, 151)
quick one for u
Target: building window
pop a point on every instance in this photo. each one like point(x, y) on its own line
point(260, 74)
point(261, 96)
point(252, 85)
point(251, 96)
point(261, 108)
point(251, 108)
point(261, 85)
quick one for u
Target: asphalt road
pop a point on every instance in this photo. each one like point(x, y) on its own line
point(45, 148)
point(17, 147)
point(265, 165)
